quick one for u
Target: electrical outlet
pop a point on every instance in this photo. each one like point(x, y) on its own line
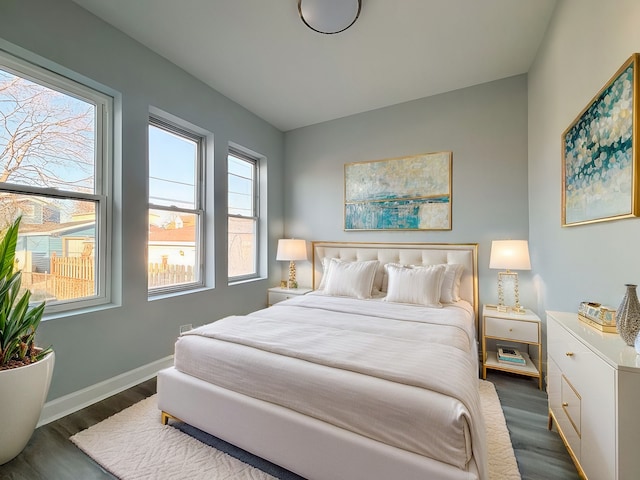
point(185, 328)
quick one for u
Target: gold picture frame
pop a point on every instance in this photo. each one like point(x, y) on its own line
point(404, 193)
point(600, 155)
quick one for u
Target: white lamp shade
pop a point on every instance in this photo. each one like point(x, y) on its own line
point(291, 249)
point(510, 255)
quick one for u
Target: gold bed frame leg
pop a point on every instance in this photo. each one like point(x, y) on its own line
point(165, 417)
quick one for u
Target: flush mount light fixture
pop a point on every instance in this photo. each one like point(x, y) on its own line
point(329, 16)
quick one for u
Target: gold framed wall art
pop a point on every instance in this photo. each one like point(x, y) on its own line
point(600, 154)
point(404, 193)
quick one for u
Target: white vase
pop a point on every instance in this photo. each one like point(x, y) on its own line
point(23, 391)
point(628, 316)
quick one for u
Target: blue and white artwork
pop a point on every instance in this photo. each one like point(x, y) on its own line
point(598, 155)
point(407, 193)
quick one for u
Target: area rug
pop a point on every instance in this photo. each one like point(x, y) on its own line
point(134, 445)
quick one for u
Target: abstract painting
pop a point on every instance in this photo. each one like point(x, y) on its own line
point(405, 193)
point(599, 154)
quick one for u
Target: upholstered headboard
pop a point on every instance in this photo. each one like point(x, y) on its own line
point(406, 254)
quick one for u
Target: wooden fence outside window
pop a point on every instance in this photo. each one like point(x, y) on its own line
point(73, 277)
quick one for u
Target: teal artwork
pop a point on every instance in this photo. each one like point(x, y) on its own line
point(407, 193)
point(599, 164)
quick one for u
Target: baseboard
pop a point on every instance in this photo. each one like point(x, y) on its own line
point(63, 406)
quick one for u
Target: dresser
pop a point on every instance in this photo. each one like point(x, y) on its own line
point(593, 382)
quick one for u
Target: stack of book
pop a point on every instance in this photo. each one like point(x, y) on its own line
point(510, 355)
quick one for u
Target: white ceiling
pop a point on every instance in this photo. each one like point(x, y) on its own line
point(261, 55)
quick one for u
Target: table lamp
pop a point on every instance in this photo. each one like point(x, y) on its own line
point(291, 249)
point(509, 255)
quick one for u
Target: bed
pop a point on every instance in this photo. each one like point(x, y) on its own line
point(373, 375)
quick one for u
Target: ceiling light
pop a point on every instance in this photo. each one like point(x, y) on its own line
point(329, 16)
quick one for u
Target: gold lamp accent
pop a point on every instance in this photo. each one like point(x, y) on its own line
point(509, 255)
point(291, 249)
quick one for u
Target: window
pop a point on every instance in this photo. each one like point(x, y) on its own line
point(55, 142)
point(242, 216)
point(176, 214)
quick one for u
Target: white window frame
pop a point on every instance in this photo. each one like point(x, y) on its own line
point(237, 153)
point(180, 128)
point(102, 174)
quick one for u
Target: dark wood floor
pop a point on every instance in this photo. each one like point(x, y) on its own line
point(50, 455)
point(540, 453)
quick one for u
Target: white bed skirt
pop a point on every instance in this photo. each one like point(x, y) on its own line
point(307, 446)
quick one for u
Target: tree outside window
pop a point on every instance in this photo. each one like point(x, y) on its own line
point(54, 139)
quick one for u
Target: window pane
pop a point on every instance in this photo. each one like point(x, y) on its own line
point(241, 186)
point(173, 161)
point(240, 167)
point(242, 246)
point(173, 256)
point(56, 248)
point(240, 204)
point(47, 138)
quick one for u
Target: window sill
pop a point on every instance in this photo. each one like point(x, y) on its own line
point(246, 280)
point(177, 293)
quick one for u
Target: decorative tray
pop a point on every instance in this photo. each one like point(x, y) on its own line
point(598, 316)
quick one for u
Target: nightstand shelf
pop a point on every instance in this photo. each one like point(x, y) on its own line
point(512, 328)
point(278, 294)
point(528, 369)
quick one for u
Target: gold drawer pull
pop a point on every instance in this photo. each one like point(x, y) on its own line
point(511, 329)
point(569, 354)
point(565, 404)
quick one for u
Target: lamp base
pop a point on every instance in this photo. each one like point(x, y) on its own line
point(292, 282)
point(515, 307)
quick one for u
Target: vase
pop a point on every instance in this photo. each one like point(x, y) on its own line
point(23, 391)
point(628, 316)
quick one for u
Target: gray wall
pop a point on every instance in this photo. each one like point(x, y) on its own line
point(586, 42)
point(486, 128)
point(97, 345)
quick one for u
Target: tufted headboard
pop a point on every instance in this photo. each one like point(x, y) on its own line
point(406, 254)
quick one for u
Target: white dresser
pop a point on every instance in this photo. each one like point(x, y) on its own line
point(593, 382)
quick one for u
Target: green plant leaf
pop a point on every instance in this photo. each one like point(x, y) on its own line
point(8, 248)
point(18, 322)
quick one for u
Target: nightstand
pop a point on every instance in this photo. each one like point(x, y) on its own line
point(277, 294)
point(512, 328)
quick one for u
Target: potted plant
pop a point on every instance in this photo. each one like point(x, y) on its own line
point(25, 369)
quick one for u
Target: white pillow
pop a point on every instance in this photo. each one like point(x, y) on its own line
point(378, 279)
point(385, 278)
point(416, 285)
point(450, 291)
point(325, 272)
point(350, 279)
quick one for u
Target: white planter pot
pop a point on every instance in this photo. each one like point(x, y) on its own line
point(23, 392)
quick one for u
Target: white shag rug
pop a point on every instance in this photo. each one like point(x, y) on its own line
point(134, 445)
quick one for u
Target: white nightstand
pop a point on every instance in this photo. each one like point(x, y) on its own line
point(510, 328)
point(277, 294)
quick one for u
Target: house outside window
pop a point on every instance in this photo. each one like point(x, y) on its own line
point(55, 158)
point(243, 217)
point(176, 208)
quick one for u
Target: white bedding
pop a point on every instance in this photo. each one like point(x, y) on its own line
point(401, 374)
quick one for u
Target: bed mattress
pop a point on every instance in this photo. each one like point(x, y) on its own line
point(402, 375)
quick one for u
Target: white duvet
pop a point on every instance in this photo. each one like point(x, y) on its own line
point(400, 374)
